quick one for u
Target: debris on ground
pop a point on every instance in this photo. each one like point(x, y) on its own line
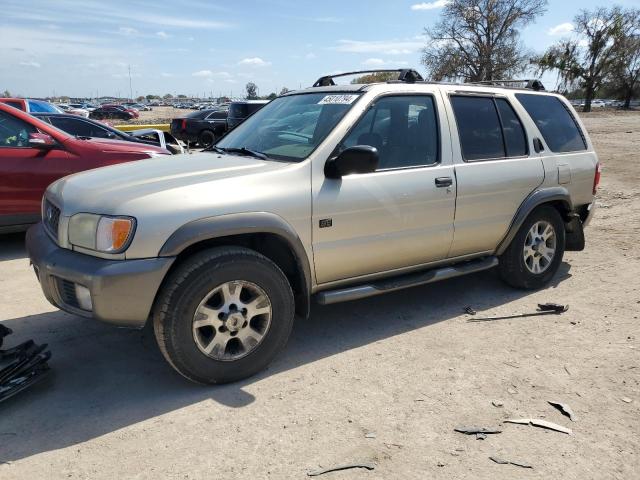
point(567, 370)
point(476, 430)
point(537, 422)
point(470, 310)
point(481, 436)
point(370, 435)
point(21, 366)
point(565, 409)
point(626, 400)
point(497, 403)
point(543, 309)
point(509, 462)
point(368, 466)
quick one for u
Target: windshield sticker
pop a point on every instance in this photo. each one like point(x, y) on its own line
point(338, 100)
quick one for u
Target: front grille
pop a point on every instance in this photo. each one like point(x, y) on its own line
point(67, 291)
point(51, 218)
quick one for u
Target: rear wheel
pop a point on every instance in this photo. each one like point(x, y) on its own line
point(206, 138)
point(535, 253)
point(223, 315)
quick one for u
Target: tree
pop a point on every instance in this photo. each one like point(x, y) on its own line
point(140, 98)
point(252, 91)
point(378, 77)
point(590, 57)
point(182, 95)
point(478, 40)
point(271, 96)
point(284, 90)
point(6, 94)
point(167, 96)
point(625, 76)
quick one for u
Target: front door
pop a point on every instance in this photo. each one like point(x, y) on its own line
point(402, 214)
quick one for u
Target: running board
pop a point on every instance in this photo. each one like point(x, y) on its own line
point(404, 281)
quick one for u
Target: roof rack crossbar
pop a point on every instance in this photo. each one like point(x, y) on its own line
point(531, 84)
point(404, 75)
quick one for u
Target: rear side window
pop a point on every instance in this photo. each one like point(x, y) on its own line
point(17, 105)
point(79, 127)
point(478, 127)
point(555, 122)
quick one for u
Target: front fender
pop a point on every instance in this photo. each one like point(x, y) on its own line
point(209, 228)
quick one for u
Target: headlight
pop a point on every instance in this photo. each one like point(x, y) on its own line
point(100, 232)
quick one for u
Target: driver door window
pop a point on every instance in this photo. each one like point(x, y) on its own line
point(402, 128)
point(14, 132)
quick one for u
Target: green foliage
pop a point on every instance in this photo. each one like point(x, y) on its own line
point(377, 77)
point(167, 96)
point(477, 40)
point(252, 91)
point(594, 53)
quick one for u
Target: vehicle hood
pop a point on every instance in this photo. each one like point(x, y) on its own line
point(172, 182)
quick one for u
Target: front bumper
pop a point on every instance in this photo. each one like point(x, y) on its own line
point(122, 291)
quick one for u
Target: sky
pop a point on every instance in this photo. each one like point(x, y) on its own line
point(201, 48)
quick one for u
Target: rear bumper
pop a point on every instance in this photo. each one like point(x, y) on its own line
point(122, 291)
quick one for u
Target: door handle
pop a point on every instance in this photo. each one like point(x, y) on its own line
point(444, 182)
point(537, 145)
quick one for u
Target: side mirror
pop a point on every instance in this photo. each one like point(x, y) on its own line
point(358, 159)
point(41, 141)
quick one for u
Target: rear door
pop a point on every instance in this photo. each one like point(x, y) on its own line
point(496, 168)
point(25, 172)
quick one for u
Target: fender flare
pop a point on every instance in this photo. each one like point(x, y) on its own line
point(534, 200)
point(209, 228)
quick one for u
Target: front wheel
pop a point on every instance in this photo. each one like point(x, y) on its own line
point(223, 315)
point(535, 253)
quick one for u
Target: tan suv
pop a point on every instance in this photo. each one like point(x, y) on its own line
point(336, 192)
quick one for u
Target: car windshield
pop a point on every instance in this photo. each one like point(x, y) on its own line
point(291, 127)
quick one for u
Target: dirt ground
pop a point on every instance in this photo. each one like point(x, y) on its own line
point(384, 380)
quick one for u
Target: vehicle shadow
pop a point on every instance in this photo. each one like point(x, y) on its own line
point(12, 246)
point(104, 378)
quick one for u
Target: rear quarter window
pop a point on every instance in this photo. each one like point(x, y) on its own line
point(555, 122)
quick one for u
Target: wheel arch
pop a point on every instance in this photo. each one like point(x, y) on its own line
point(556, 197)
point(264, 232)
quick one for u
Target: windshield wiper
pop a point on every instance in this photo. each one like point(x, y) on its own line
point(242, 151)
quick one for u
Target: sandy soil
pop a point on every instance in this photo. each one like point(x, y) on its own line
point(384, 380)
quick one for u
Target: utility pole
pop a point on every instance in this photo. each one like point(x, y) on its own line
point(130, 89)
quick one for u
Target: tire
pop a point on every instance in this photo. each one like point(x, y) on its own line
point(177, 319)
point(518, 263)
point(206, 138)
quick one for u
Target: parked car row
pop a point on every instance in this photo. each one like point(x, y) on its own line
point(205, 127)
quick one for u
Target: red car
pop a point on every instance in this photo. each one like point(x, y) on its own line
point(33, 154)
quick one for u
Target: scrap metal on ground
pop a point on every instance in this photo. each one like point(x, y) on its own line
point(21, 366)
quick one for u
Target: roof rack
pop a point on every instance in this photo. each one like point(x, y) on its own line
point(404, 75)
point(530, 84)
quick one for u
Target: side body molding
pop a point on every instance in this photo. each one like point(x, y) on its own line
point(535, 199)
point(239, 224)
